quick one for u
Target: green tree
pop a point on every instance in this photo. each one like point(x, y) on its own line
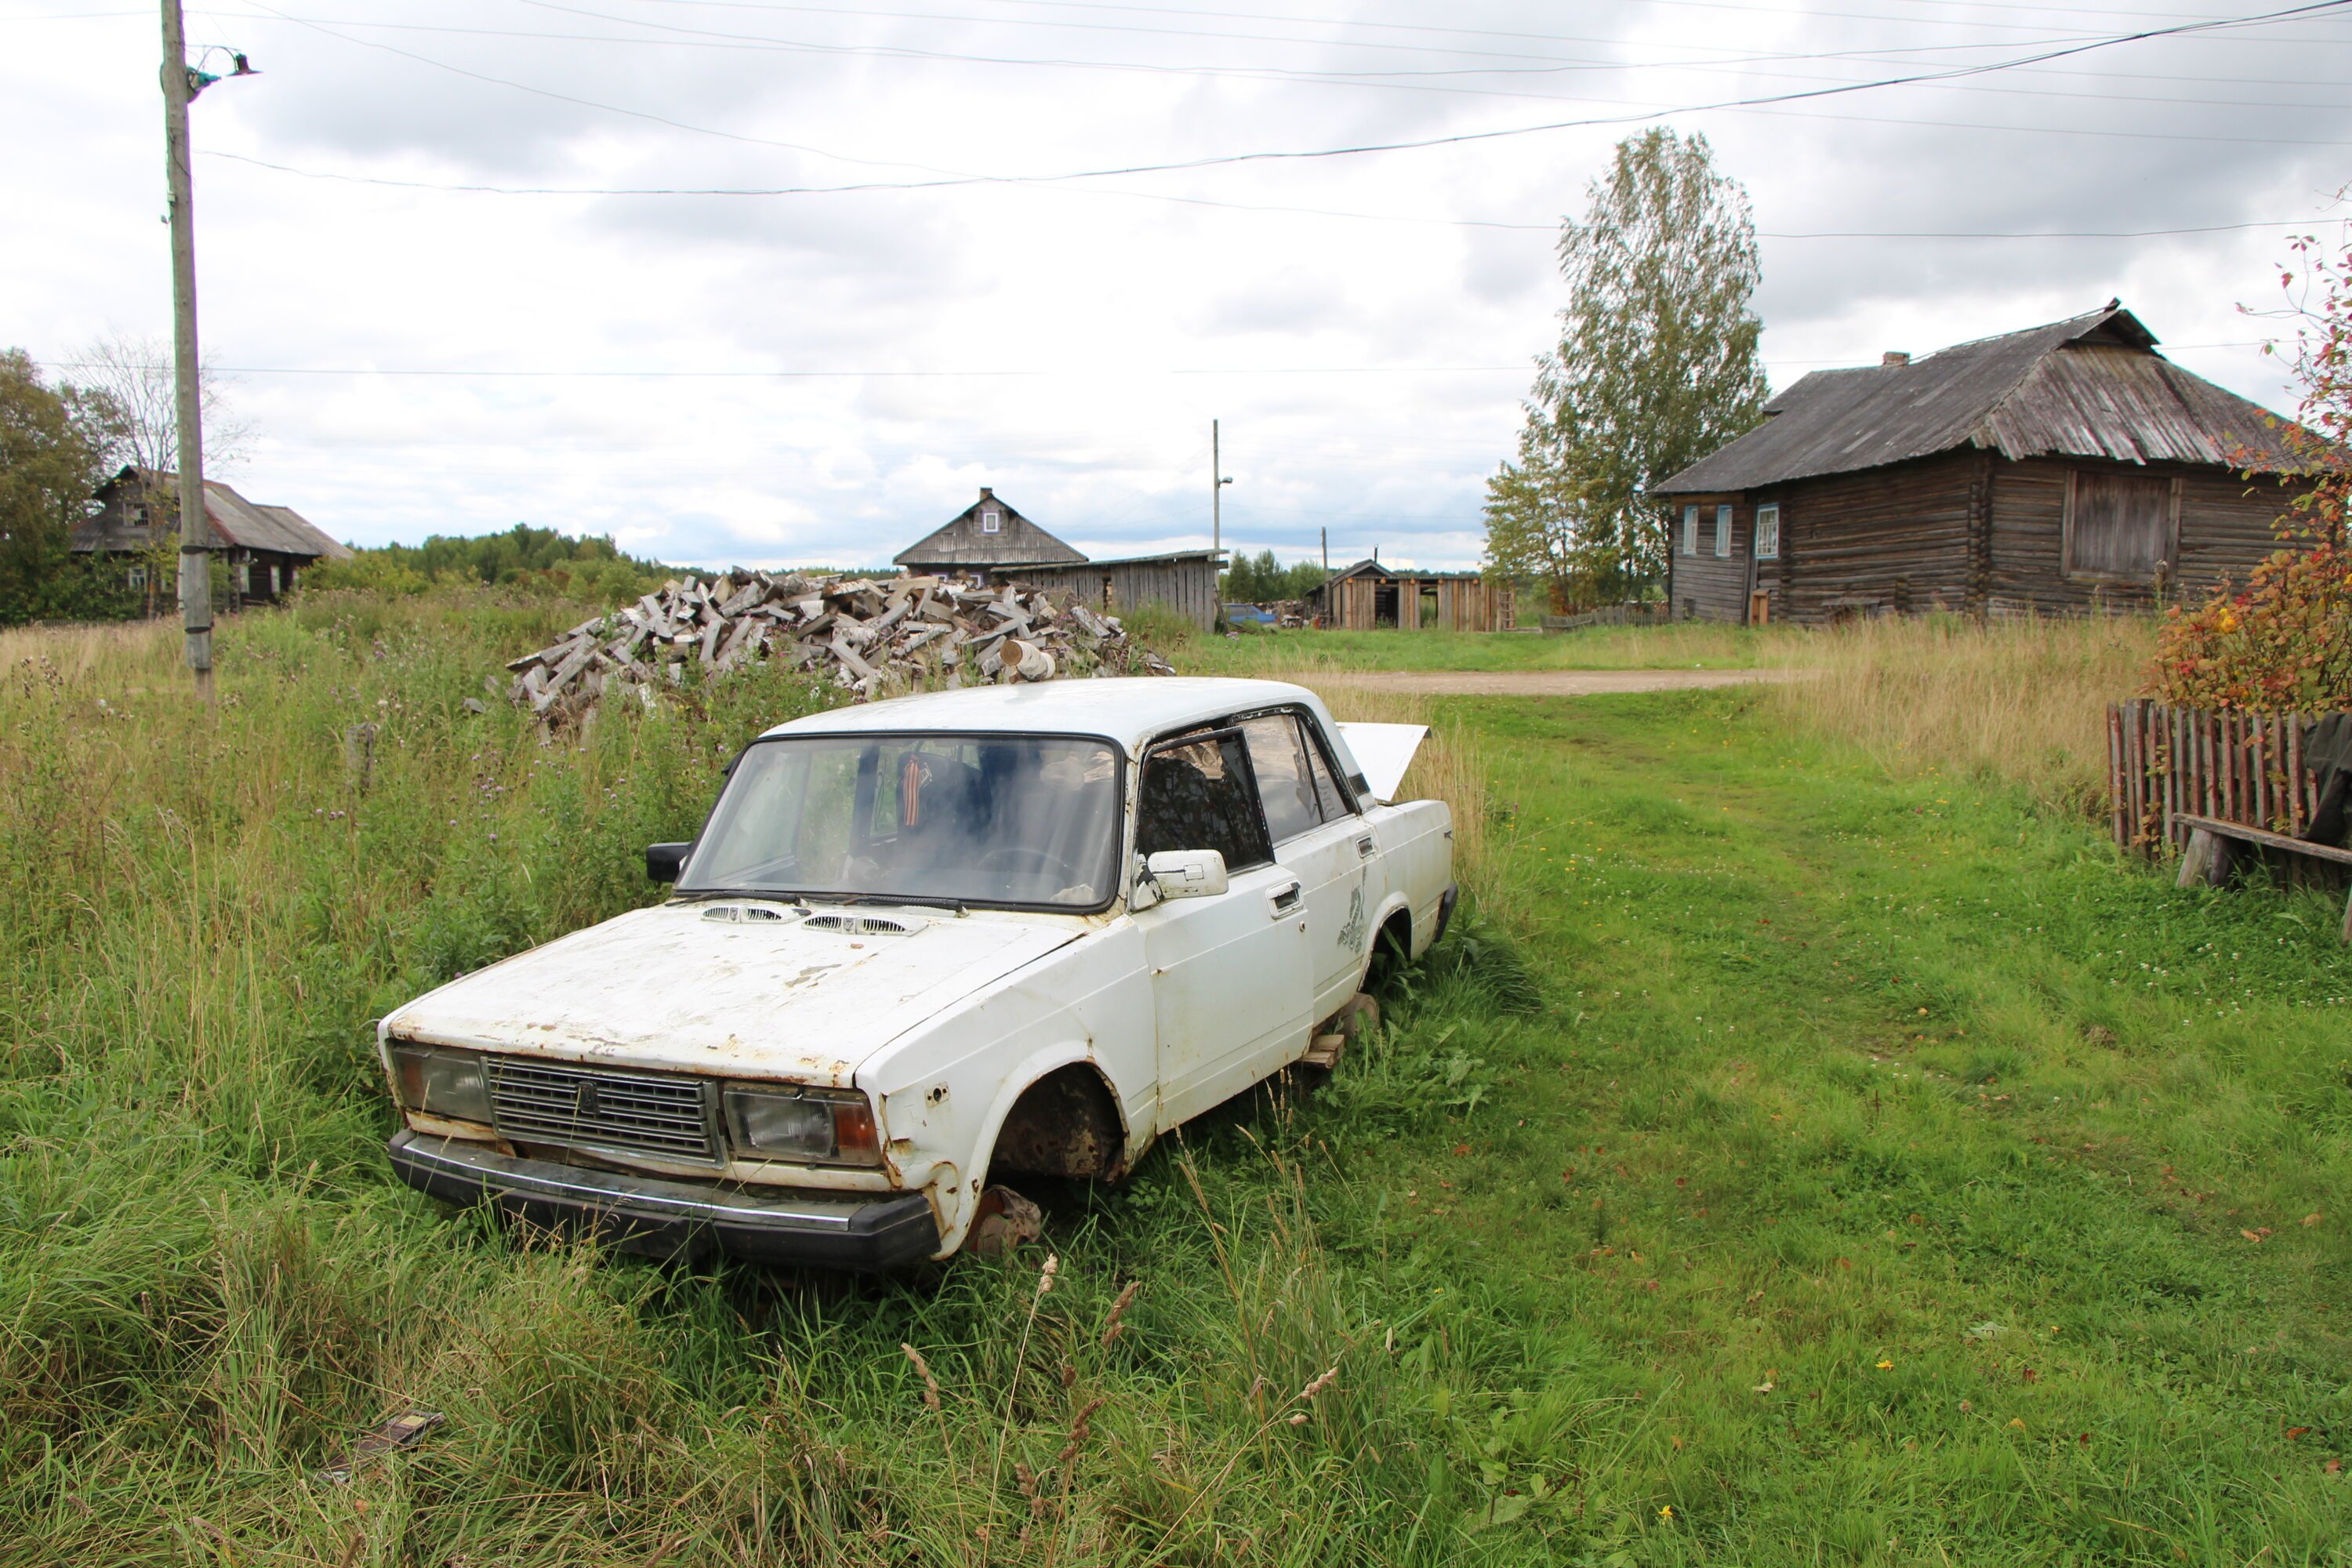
point(54, 451)
point(1656, 367)
point(523, 556)
point(1261, 579)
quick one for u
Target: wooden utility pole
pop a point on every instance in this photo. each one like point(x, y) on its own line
point(1216, 492)
point(181, 84)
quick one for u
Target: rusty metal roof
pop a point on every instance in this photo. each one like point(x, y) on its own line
point(2092, 386)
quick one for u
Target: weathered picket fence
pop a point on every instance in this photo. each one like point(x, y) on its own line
point(2163, 762)
point(1634, 615)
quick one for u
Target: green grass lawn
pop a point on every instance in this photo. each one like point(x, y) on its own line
point(1294, 653)
point(1787, 1165)
point(1890, 1176)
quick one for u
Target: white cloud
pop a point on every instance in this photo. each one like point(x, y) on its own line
point(1068, 343)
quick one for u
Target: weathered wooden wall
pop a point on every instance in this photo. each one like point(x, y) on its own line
point(1966, 531)
point(1462, 604)
point(2226, 527)
point(1707, 586)
point(962, 544)
point(1186, 585)
point(1893, 540)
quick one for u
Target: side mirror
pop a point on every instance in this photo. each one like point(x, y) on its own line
point(1178, 874)
point(663, 861)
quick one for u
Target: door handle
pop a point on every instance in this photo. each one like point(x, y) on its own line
point(1283, 901)
point(1366, 848)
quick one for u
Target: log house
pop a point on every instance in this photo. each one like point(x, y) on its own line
point(2064, 468)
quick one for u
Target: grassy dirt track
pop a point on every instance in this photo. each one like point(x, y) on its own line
point(1804, 1152)
point(1551, 682)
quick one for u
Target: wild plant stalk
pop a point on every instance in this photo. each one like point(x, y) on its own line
point(1011, 1394)
point(1281, 1415)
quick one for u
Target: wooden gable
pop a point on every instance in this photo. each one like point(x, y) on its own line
point(987, 533)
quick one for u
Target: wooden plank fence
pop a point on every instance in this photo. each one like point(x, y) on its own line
point(1606, 616)
point(2163, 762)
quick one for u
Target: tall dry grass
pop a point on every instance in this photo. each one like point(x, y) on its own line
point(1450, 766)
point(2024, 701)
point(209, 1284)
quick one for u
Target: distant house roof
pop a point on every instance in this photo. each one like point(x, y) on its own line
point(966, 542)
point(1379, 570)
point(2092, 386)
point(235, 521)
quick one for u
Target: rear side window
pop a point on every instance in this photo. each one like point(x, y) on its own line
point(1286, 779)
point(1197, 795)
point(1328, 793)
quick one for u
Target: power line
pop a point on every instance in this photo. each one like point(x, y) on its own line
point(1737, 5)
point(1386, 80)
point(946, 179)
point(617, 108)
point(992, 372)
point(1266, 207)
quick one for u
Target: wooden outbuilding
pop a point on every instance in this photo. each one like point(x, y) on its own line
point(2065, 468)
point(991, 542)
point(1184, 581)
point(983, 536)
point(266, 547)
point(1369, 596)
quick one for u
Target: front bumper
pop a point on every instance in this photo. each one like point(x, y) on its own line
point(660, 1218)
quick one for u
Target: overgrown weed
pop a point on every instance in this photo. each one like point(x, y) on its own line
point(1657, 1225)
point(2021, 701)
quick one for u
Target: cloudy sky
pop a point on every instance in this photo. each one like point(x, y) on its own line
point(521, 260)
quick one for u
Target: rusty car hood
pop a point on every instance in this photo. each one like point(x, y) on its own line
point(760, 993)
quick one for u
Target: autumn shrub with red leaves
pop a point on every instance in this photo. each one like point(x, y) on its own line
point(2282, 643)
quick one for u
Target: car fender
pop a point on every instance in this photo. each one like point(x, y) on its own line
point(1394, 900)
point(957, 1209)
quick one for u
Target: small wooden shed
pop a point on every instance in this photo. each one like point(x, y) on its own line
point(1184, 581)
point(2065, 468)
point(1369, 597)
point(989, 539)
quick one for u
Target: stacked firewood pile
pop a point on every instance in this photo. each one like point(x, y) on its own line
point(872, 637)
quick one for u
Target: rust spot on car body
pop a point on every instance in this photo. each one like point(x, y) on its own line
point(1064, 1124)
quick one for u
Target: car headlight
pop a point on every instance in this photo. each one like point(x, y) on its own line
point(443, 1083)
point(815, 1126)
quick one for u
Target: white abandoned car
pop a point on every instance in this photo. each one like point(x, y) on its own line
point(923, 944)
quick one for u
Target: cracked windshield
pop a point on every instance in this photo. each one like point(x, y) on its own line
point(928, 818)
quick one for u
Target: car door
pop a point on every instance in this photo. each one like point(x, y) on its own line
point(1229, 982)
point(1319, 839)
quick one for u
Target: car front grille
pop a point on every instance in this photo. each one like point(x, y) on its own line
point(643, 1113)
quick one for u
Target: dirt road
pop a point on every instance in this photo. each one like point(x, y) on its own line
point(1542, 682)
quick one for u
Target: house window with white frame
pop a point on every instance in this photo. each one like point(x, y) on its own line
point(992, 520)
point(136, 577)
point(1768, 532)
point(1723, 530)
point(1690, 531)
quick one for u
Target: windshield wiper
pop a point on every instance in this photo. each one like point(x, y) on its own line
point(916, 901)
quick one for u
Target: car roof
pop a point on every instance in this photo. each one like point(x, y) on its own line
point(1131, 709)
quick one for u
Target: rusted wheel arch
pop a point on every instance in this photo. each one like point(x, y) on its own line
point(1065, 1124)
